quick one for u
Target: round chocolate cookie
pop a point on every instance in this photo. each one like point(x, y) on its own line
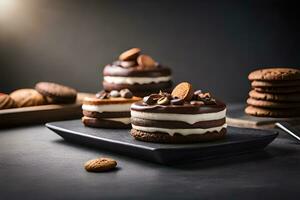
point(272, 104)
point(27, 97)
point(266, 112)
point(103, 123)
point(159, 137)
point(275, 74)
point(56, 93)
point(277, 90)
point(6, 101)
point(292, 97)
point(295, 83)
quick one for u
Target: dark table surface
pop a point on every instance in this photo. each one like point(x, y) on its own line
point(35, 163)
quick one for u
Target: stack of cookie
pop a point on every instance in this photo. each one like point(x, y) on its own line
point(275, 93)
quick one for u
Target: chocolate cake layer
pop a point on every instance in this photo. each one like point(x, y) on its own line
point(159, 137)
point(105, 114)
point(103, 123)
point(139, 88)
point(177, 124)
point(138, 71)
point(179, 109)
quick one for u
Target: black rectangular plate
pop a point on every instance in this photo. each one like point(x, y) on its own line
point(237, 141)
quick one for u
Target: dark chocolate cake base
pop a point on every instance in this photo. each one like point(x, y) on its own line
point(104, 123)
point(158, 137)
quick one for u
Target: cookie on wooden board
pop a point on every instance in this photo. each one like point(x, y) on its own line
point(272, 104)
point(27, 97)
point(292, 97)
point(275, 74)
point(6, 101)
point(56, 93)
point(267, 112)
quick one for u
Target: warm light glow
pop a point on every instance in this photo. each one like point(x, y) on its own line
point(7, 5)
point(10, 11)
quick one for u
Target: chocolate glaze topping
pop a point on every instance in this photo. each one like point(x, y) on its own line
point(186, 108)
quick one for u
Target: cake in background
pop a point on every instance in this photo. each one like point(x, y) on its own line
point(138, 72)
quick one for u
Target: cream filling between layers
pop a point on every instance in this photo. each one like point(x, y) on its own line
point(188, 118)
point(107, 108)
point(133, 80)
point(183, 132)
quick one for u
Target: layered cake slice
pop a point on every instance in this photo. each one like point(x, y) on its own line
point(137, 72)
point(108, 110)
point(184, 116)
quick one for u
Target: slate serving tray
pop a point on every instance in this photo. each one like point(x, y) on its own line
point(238, 141)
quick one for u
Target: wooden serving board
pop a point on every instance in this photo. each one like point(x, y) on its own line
point(41, 114)
point(238, 118)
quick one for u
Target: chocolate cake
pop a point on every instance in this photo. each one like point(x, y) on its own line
point(184, 116)
point(108, 110)
point(137, 72)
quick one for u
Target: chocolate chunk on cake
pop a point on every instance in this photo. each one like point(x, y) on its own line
point(138, 72)
point(184, 116)
point(108, 109)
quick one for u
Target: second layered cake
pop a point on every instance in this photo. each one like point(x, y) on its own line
point(108, 110)
point(181, 117)
point(137, 72)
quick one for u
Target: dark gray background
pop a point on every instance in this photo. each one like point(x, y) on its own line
point(213, 44)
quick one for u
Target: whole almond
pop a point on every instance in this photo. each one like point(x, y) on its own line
point(146, 61)
point(163, 101)
point(130, 54)
point(183, 91)
point(100, 165)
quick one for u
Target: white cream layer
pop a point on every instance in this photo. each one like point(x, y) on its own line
point(133, 80)
point(188, 118)
point(107, 108)
point(183, 132)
